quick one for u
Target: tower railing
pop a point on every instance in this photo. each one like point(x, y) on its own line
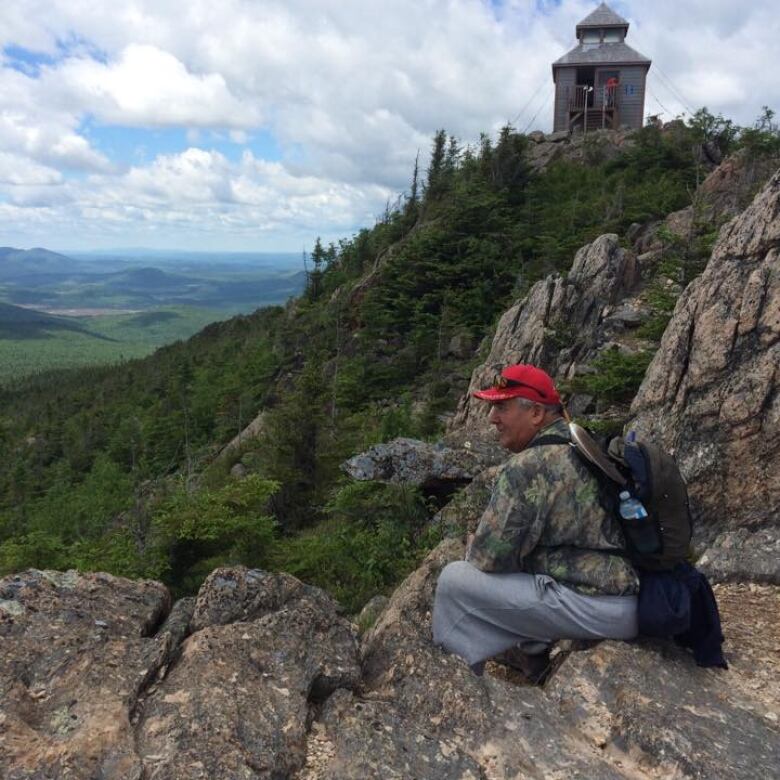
point(595, 106)
point(587, 96)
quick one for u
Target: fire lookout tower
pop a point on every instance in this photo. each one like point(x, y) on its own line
point(601, 82)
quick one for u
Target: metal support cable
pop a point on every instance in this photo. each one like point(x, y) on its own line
point(660, 104)
point(670, 94)
point(528, 103)
point(543, 105)
point(658, 71)
point(667, 83)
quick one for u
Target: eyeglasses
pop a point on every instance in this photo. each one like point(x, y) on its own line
point(501, 382)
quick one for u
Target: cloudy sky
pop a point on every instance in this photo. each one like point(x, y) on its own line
point(257, 125)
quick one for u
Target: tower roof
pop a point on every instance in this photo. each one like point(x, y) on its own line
point(618, 53)
point(603, 16)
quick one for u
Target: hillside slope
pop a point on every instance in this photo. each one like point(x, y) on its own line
point(261, 675)
point(118, 469)
point(19, 322)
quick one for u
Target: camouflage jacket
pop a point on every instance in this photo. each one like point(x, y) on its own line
point(544, 517)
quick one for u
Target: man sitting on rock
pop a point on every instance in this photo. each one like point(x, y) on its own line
point(546, 561)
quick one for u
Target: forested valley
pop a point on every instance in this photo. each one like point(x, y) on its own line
point(127, 470)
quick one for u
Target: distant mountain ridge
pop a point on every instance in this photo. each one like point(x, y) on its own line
point(17, 322)
point(16, 263)
point(49, 280)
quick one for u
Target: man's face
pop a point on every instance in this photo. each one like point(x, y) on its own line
point(515, 423)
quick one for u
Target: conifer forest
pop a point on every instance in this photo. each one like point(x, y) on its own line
point(139, 469)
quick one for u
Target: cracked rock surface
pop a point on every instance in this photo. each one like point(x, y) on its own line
point(261, 677)
point(560, 323)
point(75, 655)
point(92, 688)
point(711, 393)
point(414, 462)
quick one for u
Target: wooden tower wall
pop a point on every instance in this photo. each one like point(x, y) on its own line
point(632, 102)
point(564, 77)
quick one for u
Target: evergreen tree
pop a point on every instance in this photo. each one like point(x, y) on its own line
point(436, 169)
point(319, 258)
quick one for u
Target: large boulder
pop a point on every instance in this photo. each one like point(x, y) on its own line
point(413, 462)
point(265, 649)
point(431, 697)
point(743, 555)
point(645, 703)
point(639, 709)
point(593, 148)
point(260, 677)
point(711, 393)
point(76, 654)
point(560, 324)
point(99, 679)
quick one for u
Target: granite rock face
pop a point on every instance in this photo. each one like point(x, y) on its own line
point(96, 682)
point(743, 555)
point(640, 709)
point(725, 192)
point(237, 702)
point(414, 462)
point(509, 731)
point(711, 393)
point(562, 322)
point(260, 677)
point(76, 655)
point(596, 147)
point(566, 321)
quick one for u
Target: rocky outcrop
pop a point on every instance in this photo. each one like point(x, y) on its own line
point(414, 462)
point(711, 393)
point(260, 677)
point(563, 322)
point(252, 431)
point(725, 192)
point(640, 709)
point(435, 719)
point(743, 555)
point(76, 655)
point(92, 685)
point(593, 148)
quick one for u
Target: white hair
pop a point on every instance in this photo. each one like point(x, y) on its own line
point(527, 403)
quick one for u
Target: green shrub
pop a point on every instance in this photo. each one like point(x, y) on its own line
point(653, 328)
point(373, 537)
point(617, 376)
point(34, 550)
point(213, 527)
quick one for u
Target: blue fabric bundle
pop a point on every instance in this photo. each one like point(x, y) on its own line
point(680, 604)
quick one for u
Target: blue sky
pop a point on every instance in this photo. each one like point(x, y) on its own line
point(256, 125)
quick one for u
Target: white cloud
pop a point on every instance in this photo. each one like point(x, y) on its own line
point(197, 192)
point(22, 171)
point(149, 87)
point(348, 90)
point(31, 124)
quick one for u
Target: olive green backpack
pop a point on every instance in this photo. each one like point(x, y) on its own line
point(654, 478)
point(661, 540)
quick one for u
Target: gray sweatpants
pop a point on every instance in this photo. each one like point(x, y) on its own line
point(478, 615)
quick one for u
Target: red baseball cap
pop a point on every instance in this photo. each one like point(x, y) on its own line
point(522, 381)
